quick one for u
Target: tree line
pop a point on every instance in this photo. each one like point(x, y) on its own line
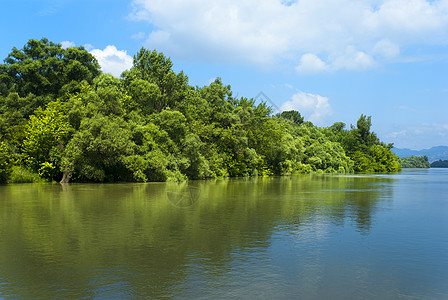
point(61, 118)
point(440, 164)
point(414, 162)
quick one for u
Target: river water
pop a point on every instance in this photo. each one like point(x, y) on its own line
point(299, 237)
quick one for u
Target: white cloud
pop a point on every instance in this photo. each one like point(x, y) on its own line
point(159, 37)
point(310, 63)
point(138, 36)
point(396, 134)
point(89, 47)
point(113, 61)
point(316, 35)
point(419, 137)
point(314, 108)
point(386, 48)
point(351, 59)
point(67, 44)
point(409, 18)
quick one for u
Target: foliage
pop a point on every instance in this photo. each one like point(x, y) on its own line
point(5, 163)
point(44, 68)
point(96, 149)
point(156, 69)
point(414, 162)
point(363, 147)
point(440, 164)
point(45, 135)
point(292, 115)
point(22, 174)
point(61, 118)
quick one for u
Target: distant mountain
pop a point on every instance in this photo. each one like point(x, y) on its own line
point(433, 154)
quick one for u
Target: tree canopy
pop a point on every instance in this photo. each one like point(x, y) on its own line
point(61, 118)
point(43, 68)
point(362, 145)
point(414, 162)
point(440, 164)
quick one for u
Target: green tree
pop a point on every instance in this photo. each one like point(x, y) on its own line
point(45, 135)
point(292, 115)
point(44, 68)
point(383, 159)
point(5, 163)
point(197, 166)
point(414, 162)
point(14, 114)
point(144, 96)
point(155, 68)
point(97, 149)
point(365, 138)
point(363, 147)
point(155, 157)
point(150, 125)
point(440, 164)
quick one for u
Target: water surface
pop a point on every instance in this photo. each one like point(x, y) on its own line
point(307, 237)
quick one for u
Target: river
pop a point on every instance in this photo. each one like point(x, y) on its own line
point(298, 237)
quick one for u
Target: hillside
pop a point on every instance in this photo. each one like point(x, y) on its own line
point(433, 154)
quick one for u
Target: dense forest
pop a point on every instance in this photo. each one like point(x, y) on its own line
point(414, 162)
point(62, 119)
point(440, 164)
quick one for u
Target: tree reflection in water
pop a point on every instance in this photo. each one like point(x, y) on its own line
point(152, 240)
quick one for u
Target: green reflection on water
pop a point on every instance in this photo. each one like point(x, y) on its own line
point(146, 240)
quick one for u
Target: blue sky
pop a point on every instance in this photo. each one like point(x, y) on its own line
point(332, 60)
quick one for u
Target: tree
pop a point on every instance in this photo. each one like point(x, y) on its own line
point(414, 162)
point(172, 122)
point(440, 164)
point(337, 127)
point(292, 115)
point(383, 159)
point(150, 125)
point(96, 151)
point(220, 104)
point(14, 114)
point(197, 165)
point(144, 96)
point(155, 68)
point(43, 68)
point(45, 135)
point(362, 132)
point(5, 163)
point(363, 146)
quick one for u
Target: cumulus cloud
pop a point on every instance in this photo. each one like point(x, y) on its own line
point(386, 48)
point(112, 60)
point(351, 59)
point(310, 63)
point(314, 35)
point(314, 108)
point(67, 44)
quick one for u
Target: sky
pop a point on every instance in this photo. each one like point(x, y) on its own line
point(331, 60)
